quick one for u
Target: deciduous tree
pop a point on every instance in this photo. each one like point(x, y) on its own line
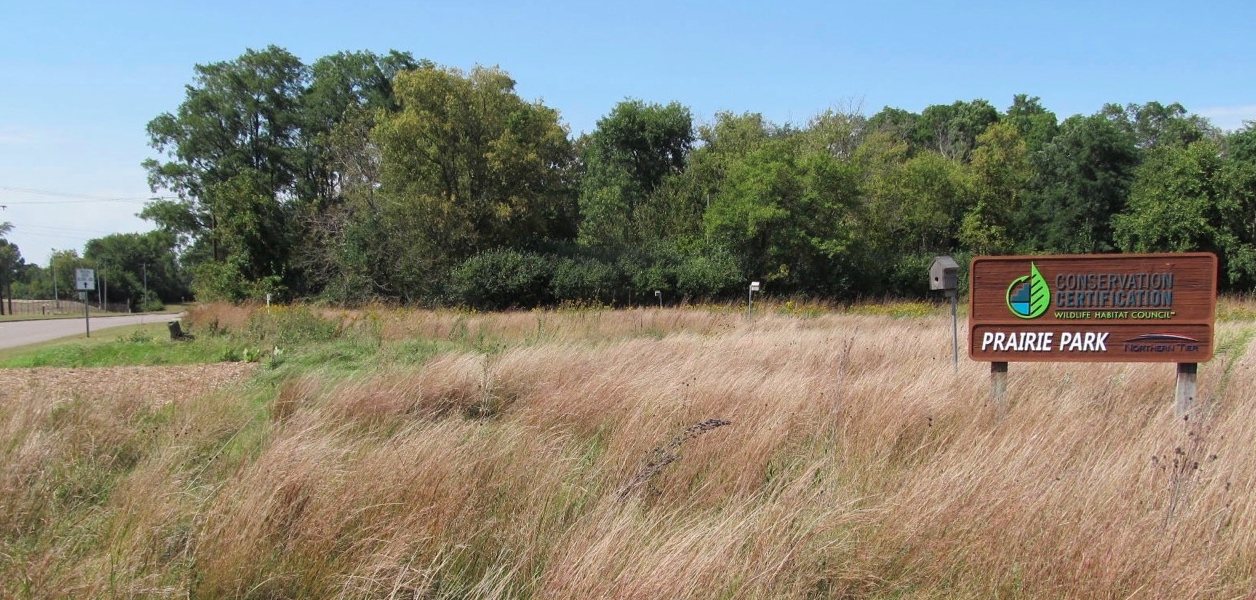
point(1000, 171)
point(233, 145)
point(467, 166)
point(137, 263)
point(634, 149)
point(1035, 124)
point(1082, 178)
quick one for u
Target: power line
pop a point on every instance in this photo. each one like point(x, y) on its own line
point(79, 198)
point(60, 228)
point(121, 200)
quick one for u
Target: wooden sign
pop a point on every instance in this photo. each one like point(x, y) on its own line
point(1093, 308)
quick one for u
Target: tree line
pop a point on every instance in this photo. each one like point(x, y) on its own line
point(139, 270)
point(364, 177)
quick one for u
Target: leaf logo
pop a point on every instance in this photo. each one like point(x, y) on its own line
point(1029, 297)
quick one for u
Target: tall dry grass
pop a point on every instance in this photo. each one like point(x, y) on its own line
point(554, 455)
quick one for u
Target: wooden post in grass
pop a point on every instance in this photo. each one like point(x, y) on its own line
point(998, 386)
point(1185, 393)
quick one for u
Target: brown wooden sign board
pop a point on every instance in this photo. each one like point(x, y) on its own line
point(1093, 308)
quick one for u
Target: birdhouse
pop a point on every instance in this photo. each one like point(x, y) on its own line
point(944, 274)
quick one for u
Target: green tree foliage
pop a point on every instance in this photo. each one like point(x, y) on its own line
point(11, 265)
point(724, 144)
point(788, 213)
point(365, 176)
point(234, 149)
point(1035, 124)
point(1000, 170)
point(633, 151)
point(339, 172)
point(341, 86)
point(342, 252)
point(1238, 182)
point(467, 166)
point(952, 129)
point(896, 123)
point(61, 266)
point(913, 206)
point(1082, 178)
point(1191, 198)
point(584, 279)
point(140, 267)
point(1154, 125)
point(501, 279)
point(1241, 145)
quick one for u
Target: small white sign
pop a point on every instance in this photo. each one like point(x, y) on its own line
point(85, 280)
point(754, 286)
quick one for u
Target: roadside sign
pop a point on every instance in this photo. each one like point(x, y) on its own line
point(85, 280)
point(1093, 308)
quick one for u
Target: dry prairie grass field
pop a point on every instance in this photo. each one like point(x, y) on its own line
point(678, 453)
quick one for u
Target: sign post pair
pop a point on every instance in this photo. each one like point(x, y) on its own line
point(1094, 308)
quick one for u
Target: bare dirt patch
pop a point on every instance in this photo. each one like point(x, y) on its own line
point(157, 385)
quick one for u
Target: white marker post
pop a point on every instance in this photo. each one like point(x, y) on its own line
point(85, 281)
point(754, 287)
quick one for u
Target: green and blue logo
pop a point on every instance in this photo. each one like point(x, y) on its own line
point(1029, 297)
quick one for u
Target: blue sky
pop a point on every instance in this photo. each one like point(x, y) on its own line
point(80, 80)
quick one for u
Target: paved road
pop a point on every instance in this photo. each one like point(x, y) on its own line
point(21, 333)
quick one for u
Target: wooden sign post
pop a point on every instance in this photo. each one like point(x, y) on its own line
point(1094, 308)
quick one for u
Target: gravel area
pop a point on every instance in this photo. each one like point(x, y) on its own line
point(158, 385)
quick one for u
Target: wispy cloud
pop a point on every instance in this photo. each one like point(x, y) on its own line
point(1229, 118)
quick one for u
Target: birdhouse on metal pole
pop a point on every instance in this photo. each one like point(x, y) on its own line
point(944, 275)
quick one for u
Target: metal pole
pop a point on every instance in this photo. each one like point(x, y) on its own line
point(749, 303)
point(87, 320)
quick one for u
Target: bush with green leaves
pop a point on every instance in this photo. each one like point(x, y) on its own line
point(707, 276)
point(584, 280)
point(503, 279)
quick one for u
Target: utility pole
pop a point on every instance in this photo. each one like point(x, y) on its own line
point(144, 300)
point(56, 300)
point(104, 285)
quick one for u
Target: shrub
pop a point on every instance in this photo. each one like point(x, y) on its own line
point(707, 276)
point(502, 279)
point(584, 280)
